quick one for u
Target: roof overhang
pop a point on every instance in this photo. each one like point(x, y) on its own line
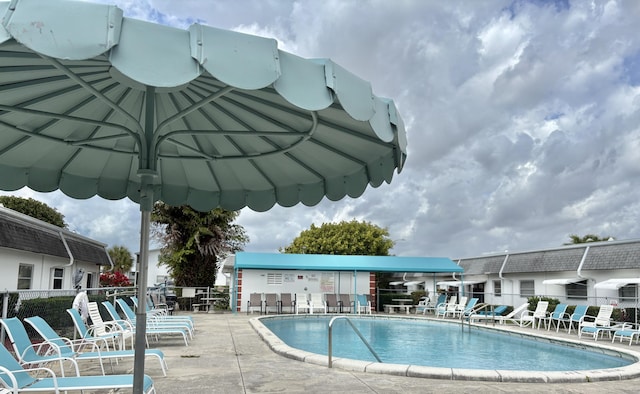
point(325, 262)
point(563, 281)
point(458, 283)
point(614, 284)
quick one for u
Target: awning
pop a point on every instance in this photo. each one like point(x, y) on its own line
point(457, 283)
point(563, 281)
point(614, 284)
point(396, 283)
point(413, 283)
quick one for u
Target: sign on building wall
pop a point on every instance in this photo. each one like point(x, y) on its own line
point(327, 282)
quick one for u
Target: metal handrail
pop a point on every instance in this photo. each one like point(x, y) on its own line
point(483, 306)
point(356, 331)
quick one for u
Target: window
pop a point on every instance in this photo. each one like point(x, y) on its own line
point(628, 292)
point(527, 288)
point(25, 273)
point(577, 290)
point(58, 276)
point(497, 288)
point(274, 279)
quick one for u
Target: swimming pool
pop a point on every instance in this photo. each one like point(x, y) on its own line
point(423, 347)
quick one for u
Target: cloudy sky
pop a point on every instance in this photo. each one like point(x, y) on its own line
point(523, 119)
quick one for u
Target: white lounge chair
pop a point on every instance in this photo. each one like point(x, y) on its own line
point(447, 307)
point(302, 303)
point(596, 325)
point(316, 303)
point(513, 316)
point(540, 314)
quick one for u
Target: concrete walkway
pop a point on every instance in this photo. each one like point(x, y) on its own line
point(227, 356)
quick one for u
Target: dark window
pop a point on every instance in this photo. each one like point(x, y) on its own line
point(527, 288)
point(25, 274)
point(497, 288)
point(577, 290)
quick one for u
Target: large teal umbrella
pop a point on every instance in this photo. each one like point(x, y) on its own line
point(93, 103)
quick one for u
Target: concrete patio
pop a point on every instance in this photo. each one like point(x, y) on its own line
point(227, 356)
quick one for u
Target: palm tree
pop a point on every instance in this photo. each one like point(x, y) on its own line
point(121, 258)
point(576, 239)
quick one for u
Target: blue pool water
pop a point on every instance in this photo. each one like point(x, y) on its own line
point(428, 343)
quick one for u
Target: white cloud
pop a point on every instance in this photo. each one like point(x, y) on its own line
point(523, 118)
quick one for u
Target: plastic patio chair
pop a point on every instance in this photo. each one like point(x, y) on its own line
point(539, 315)
point(559, 315)
point(302, 303)
point(332, 302)
point(627, 331)
point(152, 328)
point(576, 317)
point(286, 302)
point(363, 304)
point(87, 333)
point(255, 301)
point(19, 380)
point(596, 325)
point(65, 346)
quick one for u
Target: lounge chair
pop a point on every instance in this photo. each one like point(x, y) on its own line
point(161, 314)
point(431, 307)
point(596, 325)
point(271, 302)
point(130, 327)
point(627, 331)
point(71, 348)
point(513, 315)
point(115, 338)
point(423, 303)
point(559, 315)
point(19, 380)
point(468, 309)
point(345, 302)
point(487, 314)
point(460, 306)
point(286, 302)
point(255, 301)
point(302, 303)
point(332, 302)
point(34, 355)
point(153, 322)
point(448, 307)
point(102, 327)
point(576, 317)
point(363, 305)
point(316, 303)
point(528, 317)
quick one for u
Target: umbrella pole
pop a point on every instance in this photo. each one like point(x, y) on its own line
point(141, 315)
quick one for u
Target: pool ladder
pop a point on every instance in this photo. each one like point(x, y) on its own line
point(356, 331)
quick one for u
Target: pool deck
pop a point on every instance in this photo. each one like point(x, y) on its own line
point(226, 355)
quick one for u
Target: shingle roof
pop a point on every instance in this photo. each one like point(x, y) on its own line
point(482, 265)
point(601, 256)
point(620, 256)
point(20, 232)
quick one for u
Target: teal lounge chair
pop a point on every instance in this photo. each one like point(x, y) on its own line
point(19, 380)
point(363, 304)
point(71, 348)
point(576, 316)
point(152, 330)
point(34, 355)
point(559, 315)
point(161, 314)
point(153, 322)
point(487, 314)
point(468, 309)
point(431, 307)
point(628, 331)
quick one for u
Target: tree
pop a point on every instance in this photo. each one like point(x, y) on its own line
point(194, 241)
point(35, 209)
point(121, 258)
point(575, 239)
point(344, 238)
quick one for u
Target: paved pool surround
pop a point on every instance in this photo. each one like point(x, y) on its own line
point(631, 371)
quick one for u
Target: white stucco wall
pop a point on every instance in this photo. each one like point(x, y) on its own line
point(296, 281)
point(42, 279)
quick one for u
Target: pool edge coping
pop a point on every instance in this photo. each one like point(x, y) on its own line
point(631, 371)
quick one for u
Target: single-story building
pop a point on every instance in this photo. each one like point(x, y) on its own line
point(40, 256)
point(592, 273)
point(315, 273)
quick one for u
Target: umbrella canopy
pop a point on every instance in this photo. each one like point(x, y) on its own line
point(93, 103)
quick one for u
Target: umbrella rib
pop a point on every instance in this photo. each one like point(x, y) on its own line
point(304, 136)
point(195, 106)
point(97, 94)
